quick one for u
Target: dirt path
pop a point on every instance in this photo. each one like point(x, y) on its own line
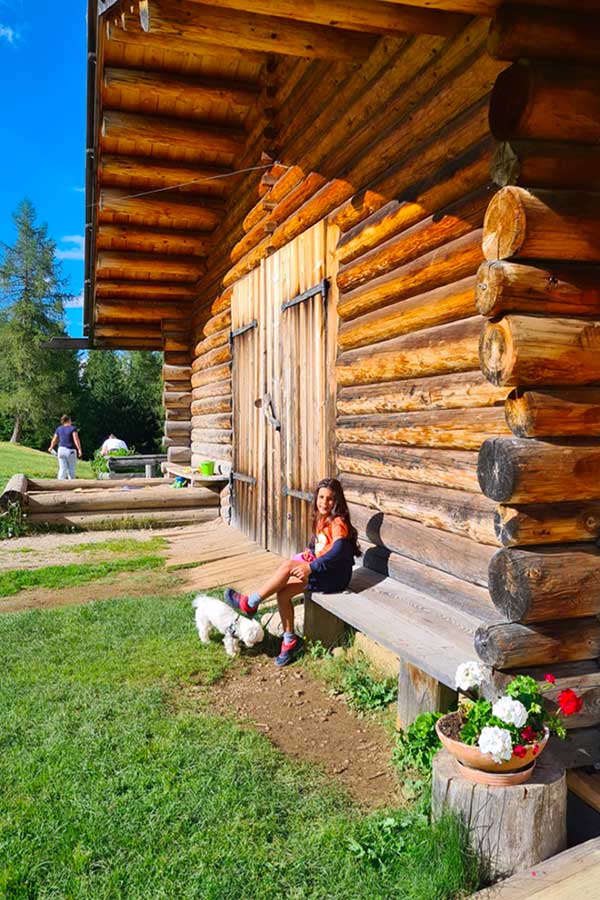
point(300, 717)
point(36, 550)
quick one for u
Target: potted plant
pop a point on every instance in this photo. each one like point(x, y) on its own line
point(499, 741)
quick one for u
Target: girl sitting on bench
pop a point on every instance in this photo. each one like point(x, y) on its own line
point(325, 566)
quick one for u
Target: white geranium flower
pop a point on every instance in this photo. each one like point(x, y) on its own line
point(470, 675)
point(510, 711)
point(497, 742)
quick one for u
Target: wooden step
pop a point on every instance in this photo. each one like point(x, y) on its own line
point(421, 629)
point(571, 875)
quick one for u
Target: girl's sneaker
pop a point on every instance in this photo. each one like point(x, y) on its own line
point(289, 652)
point(239, 602)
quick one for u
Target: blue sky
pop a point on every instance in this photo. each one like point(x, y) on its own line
point(42, 126)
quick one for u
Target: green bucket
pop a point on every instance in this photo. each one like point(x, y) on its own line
point(207, 467)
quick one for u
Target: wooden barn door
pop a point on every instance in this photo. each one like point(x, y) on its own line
point(247, 377)
point(279, 315)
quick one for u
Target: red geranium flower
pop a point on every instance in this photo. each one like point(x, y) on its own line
point(528, 734)
point(550, 678)
point(520, 751)
point(569, 702)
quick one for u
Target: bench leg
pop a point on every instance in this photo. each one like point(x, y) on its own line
point(321, 625)
point(149, 469)
point(419, 693)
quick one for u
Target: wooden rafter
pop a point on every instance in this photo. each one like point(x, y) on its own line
point(149, 290)
point(148, 174)
point(152, 266)
point(269, 34)
point(358, 15)
point(122, 237)
point(139, 135)
point(162, 210)
point(149, 92)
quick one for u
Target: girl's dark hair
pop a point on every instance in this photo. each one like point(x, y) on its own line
point(339, 510)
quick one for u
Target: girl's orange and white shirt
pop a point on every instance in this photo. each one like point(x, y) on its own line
point(327, 533)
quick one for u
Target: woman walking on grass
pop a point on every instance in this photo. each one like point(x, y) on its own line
point(326, 566)
point(69, 448)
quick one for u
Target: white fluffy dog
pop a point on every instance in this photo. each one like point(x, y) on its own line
point(213, 613)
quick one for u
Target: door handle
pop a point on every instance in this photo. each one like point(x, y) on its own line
point(266, 404)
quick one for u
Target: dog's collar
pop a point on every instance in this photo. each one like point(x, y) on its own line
point(232, 628)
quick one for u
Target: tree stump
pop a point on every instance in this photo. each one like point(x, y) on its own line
point(510, 828)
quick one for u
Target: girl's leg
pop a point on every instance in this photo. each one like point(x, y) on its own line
point(279, 580)
point(285, 605)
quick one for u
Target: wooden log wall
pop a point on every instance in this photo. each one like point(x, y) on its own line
point(177, 396)
point(538, 291)
point(396, 155)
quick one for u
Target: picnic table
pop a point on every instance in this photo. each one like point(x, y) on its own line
point(150, 461)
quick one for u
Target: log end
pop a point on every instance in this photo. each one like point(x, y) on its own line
point(496, 472)
point(510, 593)
point(496, 352)
point(486, 648)
point(519, 417)
point(489, 286)
point(504, 225)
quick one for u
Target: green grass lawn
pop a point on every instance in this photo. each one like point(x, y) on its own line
point(14, 459)
point(117, 784)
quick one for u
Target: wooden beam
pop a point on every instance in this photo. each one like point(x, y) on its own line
point(548, 412)
point(162, 210)
point(488, 7)
point(530, 350)
point(270, 34)
point(542, 225)
point(355, 15)
point(546, 164)
point(147, 174)
point(152, 311)
point(521, 470)
point(153, 266)
point(149, 240)
point(193, 48)
point(521, 32)
point(138, 135)
point(145, 290)
point(121, 329)
point(546, 102)
point(546, 583)
point(547, 288)
point(149, 92)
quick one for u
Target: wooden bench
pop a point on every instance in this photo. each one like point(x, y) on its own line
point(189, 474)
point(429, 636)
point(150, 461)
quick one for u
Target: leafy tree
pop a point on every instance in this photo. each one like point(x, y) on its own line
point(36, 384)
point(121, 393)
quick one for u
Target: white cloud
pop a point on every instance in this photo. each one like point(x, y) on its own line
point(9, 34)
point(76, 252)
point(75, 302)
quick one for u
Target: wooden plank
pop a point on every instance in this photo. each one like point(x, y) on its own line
point(554, 878)
point(423, 631)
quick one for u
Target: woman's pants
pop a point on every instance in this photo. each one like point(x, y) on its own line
point(66, 463)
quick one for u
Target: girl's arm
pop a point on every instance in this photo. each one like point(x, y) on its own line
point(53, 442)
point(337, 553)
point(77, 444)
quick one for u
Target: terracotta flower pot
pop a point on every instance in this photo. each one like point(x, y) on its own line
point(480, 766)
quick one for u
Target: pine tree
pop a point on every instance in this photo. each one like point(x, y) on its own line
point(36, 384)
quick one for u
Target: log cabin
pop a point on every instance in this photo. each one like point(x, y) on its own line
point(366, 236)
